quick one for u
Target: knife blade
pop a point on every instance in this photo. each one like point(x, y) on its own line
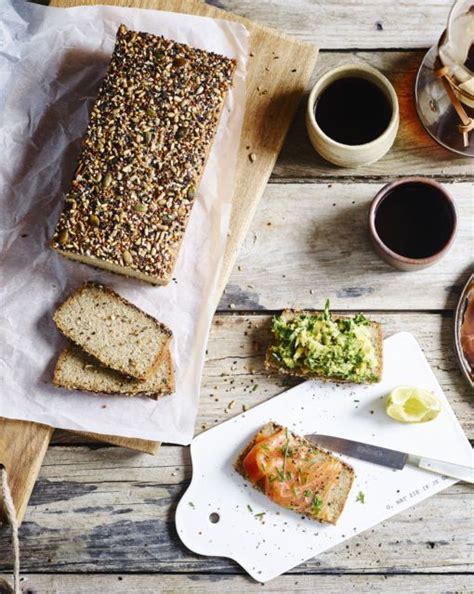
point(391, 458)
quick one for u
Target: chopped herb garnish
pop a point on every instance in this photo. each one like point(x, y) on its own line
point(293, 488)
point(260, 515)
point(361, 497)
point(285, 451)
point(316, 504)
point(254, 387)
point(191, 504)
point(307, 493)
point(300, 476)
point(249, 508)
point(280, 474)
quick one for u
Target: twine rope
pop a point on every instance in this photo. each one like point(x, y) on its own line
point(467, 124)
point(12, 519)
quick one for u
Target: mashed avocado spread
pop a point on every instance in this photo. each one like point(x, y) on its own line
point(333, 348)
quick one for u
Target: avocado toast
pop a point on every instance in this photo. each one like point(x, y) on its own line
point(319, 345)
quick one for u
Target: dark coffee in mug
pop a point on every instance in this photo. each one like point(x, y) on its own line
point(353, 110)
point(415, 220)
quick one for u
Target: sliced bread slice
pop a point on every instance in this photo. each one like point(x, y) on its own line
point(76, 370)
point(319, 482)
point(118, 334)
point(376, 331)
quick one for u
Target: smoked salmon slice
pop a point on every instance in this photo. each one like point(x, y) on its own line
point(296, 474)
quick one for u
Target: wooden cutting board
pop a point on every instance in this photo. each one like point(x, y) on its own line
point(278, 72)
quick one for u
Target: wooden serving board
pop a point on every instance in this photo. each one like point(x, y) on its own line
point(278, 72)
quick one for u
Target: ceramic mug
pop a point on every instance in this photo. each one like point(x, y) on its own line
point(437, 215)
point(346, 155)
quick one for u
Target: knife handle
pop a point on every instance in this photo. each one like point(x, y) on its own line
point(456, 471)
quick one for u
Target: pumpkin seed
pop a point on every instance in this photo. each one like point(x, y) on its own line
point(159, 54)
point(151, 113)
point(179, 62)
point(181, 133)
point(191, 192)
point(107, 180)
point(127, 257)
point(140, 207)
point(63, 236)
point(94, 220)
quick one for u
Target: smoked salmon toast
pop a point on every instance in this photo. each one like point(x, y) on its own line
point(296, 474)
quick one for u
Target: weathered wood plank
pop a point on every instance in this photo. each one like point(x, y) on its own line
point(210, 584)
point(309, 242)
point(234, 366)
point(109, 510)
point(346, 24)
point(414, 151)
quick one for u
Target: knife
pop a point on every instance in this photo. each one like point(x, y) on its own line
point(391, 458)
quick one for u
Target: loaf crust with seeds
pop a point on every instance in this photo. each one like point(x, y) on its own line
point(114, 331)
point(150, 132)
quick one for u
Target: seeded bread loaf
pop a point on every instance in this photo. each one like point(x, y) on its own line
point(316, 475)
point(376, 331)
point(76, 370)
point(118, 334)
point(150, 132)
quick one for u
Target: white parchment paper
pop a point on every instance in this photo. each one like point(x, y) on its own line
point(51, 64)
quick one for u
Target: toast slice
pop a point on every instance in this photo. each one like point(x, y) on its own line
point(115, 332)
point(374, 375)
point(296, 474)
point(76, 370)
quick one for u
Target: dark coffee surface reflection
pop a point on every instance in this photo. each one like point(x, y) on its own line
point(353, 111)
point(414, 220)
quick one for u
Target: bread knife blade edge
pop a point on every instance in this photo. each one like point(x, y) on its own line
point(391, 458)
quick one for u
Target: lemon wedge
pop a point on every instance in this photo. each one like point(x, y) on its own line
point(409, 404)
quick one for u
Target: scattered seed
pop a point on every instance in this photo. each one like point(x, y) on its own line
point(252, 157)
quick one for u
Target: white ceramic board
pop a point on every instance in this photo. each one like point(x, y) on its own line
point(270, 544)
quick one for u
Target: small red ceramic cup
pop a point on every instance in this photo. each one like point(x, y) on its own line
point(412, 223)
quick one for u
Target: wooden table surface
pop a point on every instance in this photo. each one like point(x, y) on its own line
point(101, 519)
